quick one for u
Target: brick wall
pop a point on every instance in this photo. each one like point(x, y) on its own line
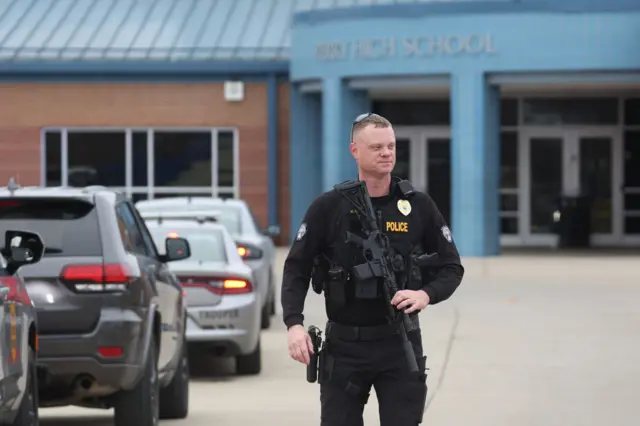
point(26, 108)
point(284, 196)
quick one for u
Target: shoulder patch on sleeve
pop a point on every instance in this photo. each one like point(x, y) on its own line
point(446, 233)
point(301, 232)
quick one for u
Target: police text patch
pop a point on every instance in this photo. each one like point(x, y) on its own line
point(397, 227)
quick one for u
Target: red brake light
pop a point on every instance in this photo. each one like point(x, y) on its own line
point(97, 277)
point(217, 285)
point(19, 296)
point(9, 203)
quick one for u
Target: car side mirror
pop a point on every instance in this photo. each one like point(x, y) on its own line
point(22, 248)
point(272, 231)
point(176, 249)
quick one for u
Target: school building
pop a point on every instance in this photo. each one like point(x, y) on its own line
point(500, 107)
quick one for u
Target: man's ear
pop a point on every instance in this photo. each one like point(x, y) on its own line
point(353, 149)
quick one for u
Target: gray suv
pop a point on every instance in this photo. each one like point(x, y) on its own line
point(111, 316)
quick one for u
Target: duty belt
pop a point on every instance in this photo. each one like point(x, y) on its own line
point(368, 333)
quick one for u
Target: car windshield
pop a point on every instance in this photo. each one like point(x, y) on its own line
point(206, 246)
point(230, 218)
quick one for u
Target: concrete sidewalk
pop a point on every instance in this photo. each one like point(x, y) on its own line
point(533, 340)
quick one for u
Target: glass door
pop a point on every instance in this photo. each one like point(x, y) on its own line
point(409, 153)
point(597, 150)
point(570, 162)
point(423, 155)
point(630, 185)
point(438, 158)
point(403, 158)
point(544, 179)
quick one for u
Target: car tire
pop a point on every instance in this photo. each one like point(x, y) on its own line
point(140, 406)
point(174, 399)
point(28, 411)
point(250, 364)
point(265, 318)
point(272, 297)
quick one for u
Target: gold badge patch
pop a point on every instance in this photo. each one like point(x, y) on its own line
point(404, 206)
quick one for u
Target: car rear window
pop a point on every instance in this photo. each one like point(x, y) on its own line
point(229, 217)
point(68, 227)
point(206, 246)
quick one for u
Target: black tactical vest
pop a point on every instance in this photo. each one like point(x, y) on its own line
point(398, 221)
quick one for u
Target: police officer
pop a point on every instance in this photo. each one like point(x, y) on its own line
point(363, 348)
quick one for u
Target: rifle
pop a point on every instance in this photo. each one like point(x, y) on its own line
point(316, 340)
point(379, 261)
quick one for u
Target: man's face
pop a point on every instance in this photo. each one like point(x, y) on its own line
point(374, 149)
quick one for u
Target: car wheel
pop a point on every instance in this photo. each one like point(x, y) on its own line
point(250, 364)
point(174, 399)
point(140, 406)
point(265, 318)
point(28, 411)
point(272, 298)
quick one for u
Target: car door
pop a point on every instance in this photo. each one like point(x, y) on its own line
point(170, 292)
point(5, 347)
point(13, 296)
point(149, 268)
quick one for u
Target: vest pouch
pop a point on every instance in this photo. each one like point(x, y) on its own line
point(319, 273)
point(337, 280)
point(366, 277)
point(367, 289)
point(414, 278)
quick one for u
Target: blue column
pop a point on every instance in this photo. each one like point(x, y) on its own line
point(305, 153)
point(475, 165)
point(340, 106)
point(272, 148)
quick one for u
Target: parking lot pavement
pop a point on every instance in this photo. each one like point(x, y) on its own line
point(537, 349)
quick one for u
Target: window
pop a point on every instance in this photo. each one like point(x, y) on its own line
point(255, 220)
point(226, 158)
point(182, 159)
point(585, 111)
point(230, 218)
point(509, 112)
point(53, 155)
point(632, 112)
point(509, 182)
point(415, 113)
point(129, 232)
point(144, 163)
point(139, 159)
point(206, 246)
point(631, 188)
point(68, 227)
point(96, 158)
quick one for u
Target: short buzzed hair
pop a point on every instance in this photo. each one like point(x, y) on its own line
point(364, 120)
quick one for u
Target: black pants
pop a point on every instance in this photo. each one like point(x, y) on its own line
point(354, 361)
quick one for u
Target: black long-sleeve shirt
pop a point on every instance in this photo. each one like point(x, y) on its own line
point(322, 231)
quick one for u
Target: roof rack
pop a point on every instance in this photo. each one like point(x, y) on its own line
point(195, 216)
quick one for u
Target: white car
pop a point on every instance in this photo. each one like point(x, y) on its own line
point(223, 307)
point(255, 245)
